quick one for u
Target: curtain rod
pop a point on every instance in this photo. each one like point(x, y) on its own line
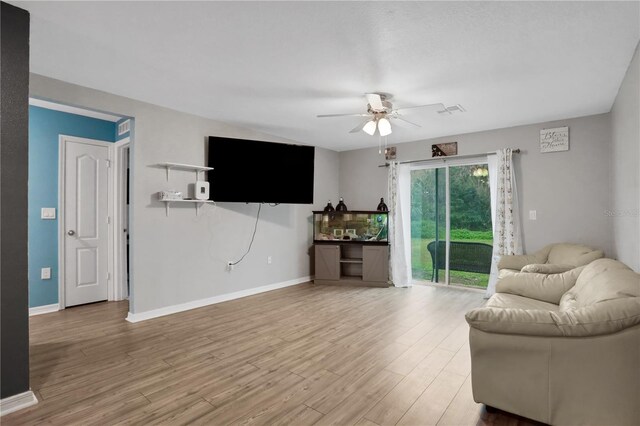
point(444, 158)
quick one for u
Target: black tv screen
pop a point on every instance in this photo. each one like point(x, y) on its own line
point(252, 171)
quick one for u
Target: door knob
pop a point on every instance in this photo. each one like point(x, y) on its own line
point(71, 232)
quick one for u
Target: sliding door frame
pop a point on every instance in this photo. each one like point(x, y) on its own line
point(445, 164)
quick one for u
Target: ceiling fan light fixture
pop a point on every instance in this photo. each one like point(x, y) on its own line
point(369, 127)
point(384, 127)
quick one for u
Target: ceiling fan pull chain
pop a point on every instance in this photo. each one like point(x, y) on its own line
point(379, 144)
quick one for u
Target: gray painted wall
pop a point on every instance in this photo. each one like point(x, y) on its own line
point(14, 128)
point(625, 167)
point(182, 258)
point(569, 190)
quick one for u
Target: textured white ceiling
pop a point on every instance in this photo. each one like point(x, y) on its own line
point(274, 66)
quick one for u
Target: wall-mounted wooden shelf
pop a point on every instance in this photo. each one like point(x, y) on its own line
point(182, 166)
point(187, 167)
point(198, 204)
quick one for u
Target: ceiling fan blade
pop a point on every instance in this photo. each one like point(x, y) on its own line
point(438, 105)
point(375, 101)
point(405, 120)
point(359, 127)
point(342, 115)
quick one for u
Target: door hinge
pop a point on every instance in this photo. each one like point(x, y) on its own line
point(108, 164)
point(109, 220)
point(108, 276)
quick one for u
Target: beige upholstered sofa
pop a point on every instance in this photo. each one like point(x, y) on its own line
point(552, 259)
point(560, 353)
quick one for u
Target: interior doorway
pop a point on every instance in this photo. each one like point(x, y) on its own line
point(72, 229)
point(451, 231)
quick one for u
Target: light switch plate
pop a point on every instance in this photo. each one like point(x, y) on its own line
point(532, 214)
point(45, 273)
point(48, 213)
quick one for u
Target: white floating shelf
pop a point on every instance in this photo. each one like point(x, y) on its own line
point(198, 204)
point(182, 166)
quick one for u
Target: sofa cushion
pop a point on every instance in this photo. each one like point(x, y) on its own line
point(505, 300)
point(547, 268)
point(573, 254)
point(600, 281)
point(606, 317)
point(506, 272)
point(545, 287)
point(517, 262)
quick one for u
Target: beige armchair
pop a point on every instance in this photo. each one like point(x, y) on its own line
point(552, 259)
point(560, 353)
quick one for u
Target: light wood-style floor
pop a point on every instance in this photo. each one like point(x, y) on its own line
point(301, 355)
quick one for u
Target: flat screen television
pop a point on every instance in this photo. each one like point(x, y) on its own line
point(250, 171)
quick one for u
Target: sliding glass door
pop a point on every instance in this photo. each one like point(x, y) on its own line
point(428, 223)
point(451, 232)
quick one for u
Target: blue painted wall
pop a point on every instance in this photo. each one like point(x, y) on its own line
point(45, 127)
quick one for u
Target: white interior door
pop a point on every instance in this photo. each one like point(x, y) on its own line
point(86, 228)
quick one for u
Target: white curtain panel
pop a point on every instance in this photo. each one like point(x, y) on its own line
point(505, 215)
point(399, 182)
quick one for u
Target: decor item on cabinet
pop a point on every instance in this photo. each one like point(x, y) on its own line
point(341, 206)
point(382, 207)
point(444, 149)
point(338, 233)
point(552, 140)
point(329, 207)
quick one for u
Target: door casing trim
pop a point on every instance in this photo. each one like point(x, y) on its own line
point(118, 291)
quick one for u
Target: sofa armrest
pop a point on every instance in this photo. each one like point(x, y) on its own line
point(517, 262)
point(598, 319)
point(545, 287)
point(607, 317)
point(513, 321)
point(520, 261)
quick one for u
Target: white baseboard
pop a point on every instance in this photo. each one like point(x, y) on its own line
point(17, 402)
point(46, 309)
point(173, 309)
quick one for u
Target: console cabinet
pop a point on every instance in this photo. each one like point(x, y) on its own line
point(351, 263)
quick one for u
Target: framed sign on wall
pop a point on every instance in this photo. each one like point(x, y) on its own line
point(390, 153)
point(444, 149)
point(552, 140)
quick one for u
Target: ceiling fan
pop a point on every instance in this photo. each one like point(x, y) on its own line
point(380, 111)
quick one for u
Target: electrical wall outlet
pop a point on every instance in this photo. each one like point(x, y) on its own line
point(45, 273)
point(532, 214)
point(268, 260)
point(230, 266)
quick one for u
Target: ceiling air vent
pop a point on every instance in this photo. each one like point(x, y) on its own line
point(124, 127)
point(452, 109)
